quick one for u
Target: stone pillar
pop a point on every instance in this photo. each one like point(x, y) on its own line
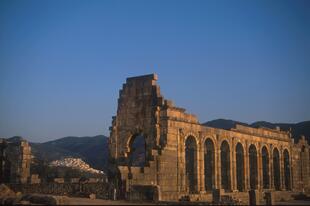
point(247, 167)
point(282, 185)
point(198, 167)
point(271, 183)
point(202, 168)
point(233, 166)
point(260, 168)
point(291, 171)
point(218, 167)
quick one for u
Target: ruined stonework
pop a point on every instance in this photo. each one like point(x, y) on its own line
point(15, 159)
point(184, 158)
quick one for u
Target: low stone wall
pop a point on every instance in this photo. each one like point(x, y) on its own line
point(70, 189)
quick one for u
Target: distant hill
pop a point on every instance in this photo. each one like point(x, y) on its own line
point(93, 150)
point(223, 123)
point(298, 129)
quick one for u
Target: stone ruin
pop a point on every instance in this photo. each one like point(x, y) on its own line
point(15, 160)
point(178, 157)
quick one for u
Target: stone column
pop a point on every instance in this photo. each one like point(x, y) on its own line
point(247, 167)
point(202, 168)
point(259, 167)
point(291, 172)
point(218, 167)
point(198, 167)
point(216, 171)
point(282, 185)
point(233, 166)
point(271, 182)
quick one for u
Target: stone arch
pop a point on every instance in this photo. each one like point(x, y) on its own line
point(192, 135)
point(276, 169)
point(240, 166)
point(265, 167)
point(225, 166)
point(287, 170)
point(253, 167)
point(191, 163)
point(7, 171)
point(137, 151)
point(209, 164)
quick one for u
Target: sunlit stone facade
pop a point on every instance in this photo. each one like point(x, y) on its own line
point(183, 157)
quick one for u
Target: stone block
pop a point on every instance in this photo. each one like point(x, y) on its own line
point(59, 180)
point(5, 191)
point(253, 197)
point(268, 198)
point(92, 196)
point(216, 196)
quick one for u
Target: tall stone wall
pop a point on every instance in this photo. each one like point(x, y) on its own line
point(183, 156)
point(136, 115)
point(15, 160)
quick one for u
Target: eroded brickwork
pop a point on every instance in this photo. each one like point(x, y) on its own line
point(184, 157)
point(15, 159)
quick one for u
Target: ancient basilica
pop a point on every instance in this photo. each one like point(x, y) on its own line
point(163, 153)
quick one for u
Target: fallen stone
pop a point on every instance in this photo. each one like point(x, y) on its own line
point(24, 202)
point(39, 199)
point(5, 191)
point(92, 196)
point(45, 199)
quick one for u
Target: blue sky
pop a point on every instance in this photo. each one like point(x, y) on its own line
point(63, 62)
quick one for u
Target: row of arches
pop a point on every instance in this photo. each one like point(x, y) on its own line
point(226, 165)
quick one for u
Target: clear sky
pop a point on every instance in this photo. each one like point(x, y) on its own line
point(62, 63)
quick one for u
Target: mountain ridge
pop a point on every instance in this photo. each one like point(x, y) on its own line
point(297, 129)
point(92, 150)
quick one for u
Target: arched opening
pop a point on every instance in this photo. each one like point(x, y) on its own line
point(265, 168)
point(287, 171)
point(276, 169)
point(191, 163)
point(225, 166)
point(137, 151)
point(7, 171)
point(209, 162)
point(240, 167)
point(253, 167)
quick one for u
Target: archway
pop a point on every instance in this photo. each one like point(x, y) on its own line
point(137, 151)
point(240, 167)
point(7, 171)
point(209, 163)
point(287, 171)
point(276, 169)
point(191, 163)
point(225, 166)
point(253, 167)
point(265, 168)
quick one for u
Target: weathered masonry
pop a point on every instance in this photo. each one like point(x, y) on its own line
point(164, 153)
point(15, 159)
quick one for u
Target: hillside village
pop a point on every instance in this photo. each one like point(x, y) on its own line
point(75, 163)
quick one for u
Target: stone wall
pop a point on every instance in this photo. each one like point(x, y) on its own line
point(15, 160)
point(180, 152)
point(71, 189)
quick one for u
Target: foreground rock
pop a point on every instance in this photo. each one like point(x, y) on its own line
point(9, 197)
point(5, 191)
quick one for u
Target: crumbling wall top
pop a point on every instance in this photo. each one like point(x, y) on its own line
point(266, 132)
point(143, 77)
